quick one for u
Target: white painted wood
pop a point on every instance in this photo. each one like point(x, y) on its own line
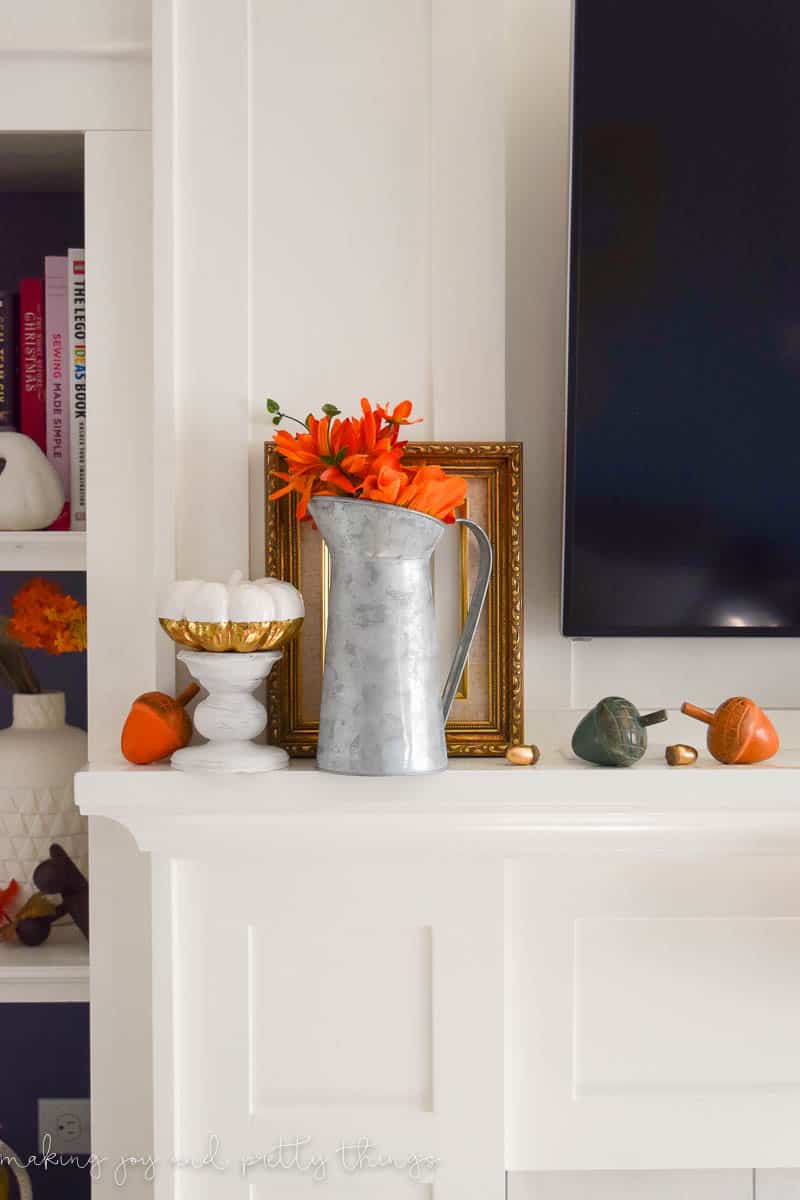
point(372, 984)
point(713, 667)
point(44, 551)
point(392, 285)
point(650, 956)
point(121, 590)
point(122, 659)
point(165, 1019)
point(651, 1008)
point(165, 364)
point(563, 807)
point(287, 1042)
point(537, 132)
point(78, 69)
point(632, 1185)
point(685, 1004)
point(341, 198)
point(206, 215)
point(120, 998)
point(467, 245)
point(103, 28)
point(779, 1183)
point(57, 972)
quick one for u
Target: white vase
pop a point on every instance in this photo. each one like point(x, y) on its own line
point(39, 755)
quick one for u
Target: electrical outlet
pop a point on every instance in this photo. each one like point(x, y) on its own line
point(67, 1122)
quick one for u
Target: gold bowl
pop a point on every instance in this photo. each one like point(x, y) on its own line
point(244, 637)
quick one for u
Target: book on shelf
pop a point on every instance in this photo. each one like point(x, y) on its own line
point(8, 361)
point(76, 293)
point(57, 403)
point(31, 361)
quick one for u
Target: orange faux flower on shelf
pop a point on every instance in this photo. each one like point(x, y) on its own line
point(44, 617)
point(361, 457)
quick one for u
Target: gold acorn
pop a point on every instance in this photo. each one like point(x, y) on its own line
point(680, 755)
point(523, 756)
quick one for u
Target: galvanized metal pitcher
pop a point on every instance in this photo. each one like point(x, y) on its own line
point(383, 708)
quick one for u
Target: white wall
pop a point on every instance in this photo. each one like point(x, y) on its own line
point(559, 673)
point(376, 228)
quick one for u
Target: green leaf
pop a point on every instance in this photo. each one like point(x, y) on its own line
point(277, 420)
point(331, 410)
point(273, 406)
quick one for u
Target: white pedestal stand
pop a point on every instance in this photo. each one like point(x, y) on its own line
point(230, 716)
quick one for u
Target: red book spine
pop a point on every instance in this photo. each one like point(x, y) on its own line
point(31, 362)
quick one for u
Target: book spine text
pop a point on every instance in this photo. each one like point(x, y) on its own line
point(56, 342)
point(31, 362)
point(8, 362)
point(76, 290)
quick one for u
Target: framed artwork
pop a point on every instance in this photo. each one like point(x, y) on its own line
point(487, 713)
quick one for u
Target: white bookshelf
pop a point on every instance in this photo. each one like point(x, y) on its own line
point(55, 972)
point(45, 551)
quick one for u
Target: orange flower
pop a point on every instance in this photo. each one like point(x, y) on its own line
point(386, 485)
point(7, 896)
point(436, 493)
point(400, 415)
point(46, 618)
point(362, 457)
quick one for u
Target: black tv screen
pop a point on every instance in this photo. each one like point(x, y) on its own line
point(683, 428)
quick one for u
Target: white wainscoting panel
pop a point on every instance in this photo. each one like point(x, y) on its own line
point(686, 1003)
point(780, 1183)
point(652, 1013)
point(632, 1185)
point(373, 987)
point(298, 1008)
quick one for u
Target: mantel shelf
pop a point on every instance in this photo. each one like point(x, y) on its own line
point(484, 803)
point(42, 551)
point(55, 972)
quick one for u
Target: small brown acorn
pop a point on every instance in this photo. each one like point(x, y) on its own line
point(523, 756)
point(680, 755)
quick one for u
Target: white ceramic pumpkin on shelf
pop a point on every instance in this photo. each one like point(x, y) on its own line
point(241, 615)
point(31, 495)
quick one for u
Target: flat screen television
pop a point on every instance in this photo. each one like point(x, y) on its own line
point(682, 510)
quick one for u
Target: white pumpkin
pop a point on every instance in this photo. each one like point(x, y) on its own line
point(31, 496)
point(237, 600)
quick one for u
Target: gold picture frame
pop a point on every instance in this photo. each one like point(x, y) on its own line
point(487, 713)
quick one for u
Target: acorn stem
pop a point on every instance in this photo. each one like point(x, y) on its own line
point(654, 718)
point(700, 714)
point(188, 694)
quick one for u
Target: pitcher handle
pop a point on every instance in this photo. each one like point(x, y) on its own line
point(473, 614)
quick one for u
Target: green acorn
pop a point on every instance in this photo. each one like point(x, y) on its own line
point(614, 733)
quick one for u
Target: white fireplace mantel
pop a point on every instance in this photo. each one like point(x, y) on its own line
point(550, 968)
point(486, 805)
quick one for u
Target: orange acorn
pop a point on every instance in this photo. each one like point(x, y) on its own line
point(157, 725)
point(739, 732)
